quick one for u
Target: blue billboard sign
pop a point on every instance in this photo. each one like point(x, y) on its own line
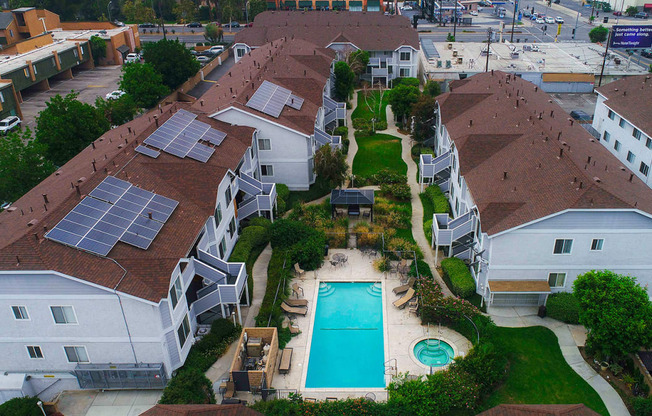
point(631, 37)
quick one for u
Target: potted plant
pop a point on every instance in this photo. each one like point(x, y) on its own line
point(604, 365)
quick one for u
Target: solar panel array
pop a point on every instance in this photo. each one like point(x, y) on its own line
point(271, 98)
point(180, 136)
point(295, 102)
point(114, 211)
point(148, 152)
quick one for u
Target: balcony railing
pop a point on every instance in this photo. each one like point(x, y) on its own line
point(446, 230)
point(430, 165)
point(262, 196)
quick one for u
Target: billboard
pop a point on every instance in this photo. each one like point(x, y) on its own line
point(631, 37)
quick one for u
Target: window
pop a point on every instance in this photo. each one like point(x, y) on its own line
point(20, 312)
point(264, 144)
point(35, 71)
point(563, 246)
point(63, 314)
point(34, 351)
point(648, 143)
point(222, 247)
point(383, 64)
point(612, 115)
point(630, 157)
point(53, 63)
point(617, 145)
point(557, 279)
point(596, 244)
point(232, 227)
point(405, 56)
point(227, 195)
point(26, 71)
point(240, 52)
point(606, 136)
point(267, 170)
point(636, 133)
point(218, 215)
point(404, 72)
point(622, 122)
point(644, 169)
point(11, 33)
point(76, 354)
point(2, 97)
point(175, 292)
point(390, 69)
point(74, 52)
point(183, 331)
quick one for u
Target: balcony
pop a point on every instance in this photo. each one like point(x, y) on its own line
point(323, 139)
point(260, 196)
point(333, 110)
point(446, 231)
point(432, 168)
point(379, 72)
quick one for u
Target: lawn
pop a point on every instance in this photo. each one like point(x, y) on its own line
point(538, 373)
point(317, 190)
point(362, 110)
point(377, 152)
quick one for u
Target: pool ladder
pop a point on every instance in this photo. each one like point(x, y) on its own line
point(391, 369)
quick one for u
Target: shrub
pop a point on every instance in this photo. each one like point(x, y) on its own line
point(399, 191)
point(282, 195)
point(598, 34)
point(223, 329)
point(486, 363)
point(21, 406)
point(439, 200)
point(458, 275)
point(403, 245)
point(305, 245)
point(424, 269)
point(341, 131)
point(427, 229)
point(642, 406)
point(387, 176)
point(564, 307)
point(188, 387)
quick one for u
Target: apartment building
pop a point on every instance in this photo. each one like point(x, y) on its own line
point(342, 5)
point(535, 199)
point(282, 89)
point(623, 118)
point(112, 266)
point(392, 43)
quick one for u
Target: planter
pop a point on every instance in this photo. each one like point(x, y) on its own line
point(604, 365)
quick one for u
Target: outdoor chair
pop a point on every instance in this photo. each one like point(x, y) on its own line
point(296, 289)
point(309, 400)
point(294, 329)
point(297, 302)
point(331, 399)
point(230, 390)
point(404, 288)
point(333, 263)
point(294, 311)
point(400, 303)
point(413, 306)
point(286, 361)
point(298, 270)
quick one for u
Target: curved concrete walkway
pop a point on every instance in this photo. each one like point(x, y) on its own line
point(417, 207)
point(353, 145)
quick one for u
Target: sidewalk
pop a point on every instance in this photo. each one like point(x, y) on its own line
point(353, 145)
point(569, 338)
point(417, 207)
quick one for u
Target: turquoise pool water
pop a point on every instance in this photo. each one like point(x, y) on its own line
point(347, 348)
point(433, 353)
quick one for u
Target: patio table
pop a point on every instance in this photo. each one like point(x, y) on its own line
point(339, 257)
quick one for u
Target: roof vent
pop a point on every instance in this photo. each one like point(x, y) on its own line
point(623, 168)
point(82, 179)
point(32, 222)
point(595, 178)
point(505, 175)
point(631, 177)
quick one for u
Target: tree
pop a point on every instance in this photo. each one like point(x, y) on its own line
point(66, 126)
point(616, 311)
point(330, 165)
point(432, 88)
point(598, 34)
point(344, 79)
point(230, 9)
point(21, 406)
point(631, 10)
point(143, 84)
point(185, 11)
point(423, 113)
point(22, 165)
point(213, 33)
point(117, 111)
point(358, 61)
point(204, 13)
point(401, 98)
point(256, 7)
point(450, 37)
point(188, 387)
point(137, 11)
point(172, 60)
point(98, 48)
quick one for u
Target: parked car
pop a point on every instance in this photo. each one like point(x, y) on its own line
point(9, 123)
point(646, 53)
point(582, 116)
point(146, 26)
point(473, 13)
point(132, 57)
point(216, 50)
point(641, 15)
point(118, 23)
point(231, 25)
point(559, 19)
point(5, 205)
point(540, 20)
point(617, 13)
point(549, 20)
point(202, 59)
point(408, 7)
point(194, 24)
point(114, 95)
point(525, 13)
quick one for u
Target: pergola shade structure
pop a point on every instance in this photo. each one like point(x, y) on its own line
point(356, 201)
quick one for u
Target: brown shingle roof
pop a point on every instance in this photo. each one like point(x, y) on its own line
point(494, 122)
point(631, 97)
point(294, 64)
point(367, 31)
point(200, 410)
point(147, 272)
point(539, 410)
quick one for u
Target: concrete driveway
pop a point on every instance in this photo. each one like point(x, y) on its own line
point(88, 83)
point(107, 403)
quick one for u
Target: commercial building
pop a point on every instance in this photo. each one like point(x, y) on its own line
point(342, 5)
point(554, 67)
point(392, 43)
point(111, 267)
point(283, 90)
point(536, 200)
point(623, 119)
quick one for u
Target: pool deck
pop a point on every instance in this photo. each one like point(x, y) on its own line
point(402, 329)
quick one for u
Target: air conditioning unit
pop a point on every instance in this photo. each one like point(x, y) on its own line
point(460, 60)
point(455, 52)
point(450, 46)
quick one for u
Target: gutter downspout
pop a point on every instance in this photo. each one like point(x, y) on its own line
point(124, 318)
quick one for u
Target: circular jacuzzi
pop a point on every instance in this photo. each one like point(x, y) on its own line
point(433, 352)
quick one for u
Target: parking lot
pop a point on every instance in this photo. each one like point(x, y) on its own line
point(88, 83)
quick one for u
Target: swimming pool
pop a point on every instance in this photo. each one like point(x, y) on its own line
point(347, 348)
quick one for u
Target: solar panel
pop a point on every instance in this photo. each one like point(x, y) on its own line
point(165, 134)
point(96, 225)
point(148, 152)
point(201, 152)
point(270, 99)
point(295, 102)
point(215, 137)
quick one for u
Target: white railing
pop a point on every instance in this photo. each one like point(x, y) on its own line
point(379, 72)
point(446, 230)
point(430, 165)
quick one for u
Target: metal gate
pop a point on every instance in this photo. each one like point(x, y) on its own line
point(121, 376)
point(518, 299)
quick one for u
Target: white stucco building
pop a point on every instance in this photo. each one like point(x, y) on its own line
point(535, 199)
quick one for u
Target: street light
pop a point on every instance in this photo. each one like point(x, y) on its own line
point(108, 9)
point(247, 11)
point(40, 405)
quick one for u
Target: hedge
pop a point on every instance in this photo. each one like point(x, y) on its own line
point(251, 243)
point(189, 387)
point(21, 406)
point(641, 406)
point(458, 277)
point(282, 195)
point(276, 274)
point(304, 245)
point(564, 307)
point(424, 269)
point(439, 200)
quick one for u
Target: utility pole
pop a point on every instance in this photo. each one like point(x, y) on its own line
point(160, 10)
point(441, 13)
point(455, 21)
point(576, 21)
point(592, 11)
point(604, 61)
point(486, 68)
point(511, 37)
